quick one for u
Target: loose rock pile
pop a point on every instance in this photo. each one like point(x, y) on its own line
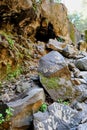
point(58, 66)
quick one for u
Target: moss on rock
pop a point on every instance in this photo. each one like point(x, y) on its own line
point(58, 88)
point(50, 83)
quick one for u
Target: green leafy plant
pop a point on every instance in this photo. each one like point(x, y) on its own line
point(1, 118)
point(10, 41)
point(63, 102)
point(8, 38)
point(13, 74)
point(9, 114)
point(78, 20)
point(43, 107)
point(34, 7)
point(60, 39)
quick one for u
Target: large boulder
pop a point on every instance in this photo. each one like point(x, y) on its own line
point(53, 64)
point(55, 77)
point(60, 20)
point(69, 51)
point(59, 88)
point(19, 15)
point(58, 116)
point(62, 117)
point(24, 17)
point(25, 107)
point(54, 44)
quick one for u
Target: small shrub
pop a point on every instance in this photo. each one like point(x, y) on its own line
point(43, 107)
point(9, 114)
point(63, 102)
point(1, 118)
point(13, 74)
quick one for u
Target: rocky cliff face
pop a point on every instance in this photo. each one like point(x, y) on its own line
point(27, 20)
point(24, 17)
point(30, 31)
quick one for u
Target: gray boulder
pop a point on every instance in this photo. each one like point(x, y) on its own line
point(25, 107)
point(45, 121)
point(58, 117)
point(81, 63)
point(54, 44)
point(56, 77)
point(63, 112)
point(69, 51)
point(59, 88)
point(53, 64)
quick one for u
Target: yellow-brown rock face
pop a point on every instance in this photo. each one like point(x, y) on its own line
point(57, 15)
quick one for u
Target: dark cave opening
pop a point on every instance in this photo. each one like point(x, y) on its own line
point(45, 31)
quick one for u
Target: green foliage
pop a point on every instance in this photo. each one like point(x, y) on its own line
point(75, 18)
point(9, 39)
point(51, 83)
point(1, 118)
point(13, 74)
point(34, 7)
point(78, 20)
point(60, 39)
point(43, 107)
point(9, 114)
point(63, 102)
point(59, 1)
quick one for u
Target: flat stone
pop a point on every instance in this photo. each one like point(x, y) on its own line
point(58, 117)
point(56, 45)
point(24, 108)
point(53, 64)
point(69, 51)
